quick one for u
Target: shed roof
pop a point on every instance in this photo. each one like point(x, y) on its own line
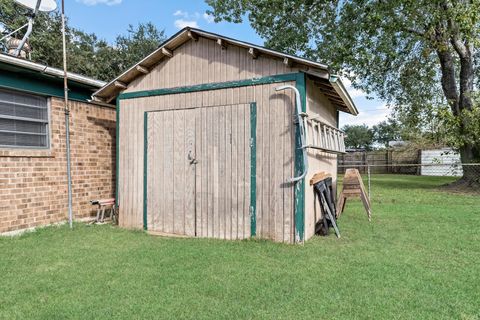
point(331, 85)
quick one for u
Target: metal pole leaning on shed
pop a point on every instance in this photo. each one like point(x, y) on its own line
point(67, 119)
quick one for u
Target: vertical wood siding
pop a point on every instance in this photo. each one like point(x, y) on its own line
point(318, 161)
point(275, 159)
point(222, 161)
point(204, 62)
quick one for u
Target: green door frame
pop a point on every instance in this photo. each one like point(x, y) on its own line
point(253, 168)
point(300, 83)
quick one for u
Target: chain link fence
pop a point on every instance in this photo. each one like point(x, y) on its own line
point(465, 176)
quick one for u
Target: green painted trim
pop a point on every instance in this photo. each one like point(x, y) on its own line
point(145, 171)
point(117, 152)
point(211, 86)
point(300, 80)
point(14, 81)
point(253, 169)
point(299, 166)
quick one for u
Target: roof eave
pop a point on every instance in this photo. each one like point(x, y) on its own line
point(339, 87)
point(102, 93)
point(262, 49)
point(50, 71)
point(98, 93)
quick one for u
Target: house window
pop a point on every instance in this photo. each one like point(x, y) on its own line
point(23, 120)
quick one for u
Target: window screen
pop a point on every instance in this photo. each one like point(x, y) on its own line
point(23, 120)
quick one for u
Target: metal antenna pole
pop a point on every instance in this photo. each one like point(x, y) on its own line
point(67, 119)
point(29, 29)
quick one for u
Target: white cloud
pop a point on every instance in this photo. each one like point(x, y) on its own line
point(208, 18)
point(180, 13)
point(354, 93)
point(95, 2)
point(186, 15)
point(186, 19)
point(181, 23)
point(370, 117)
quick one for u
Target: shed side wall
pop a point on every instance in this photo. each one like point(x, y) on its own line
point(317, 103)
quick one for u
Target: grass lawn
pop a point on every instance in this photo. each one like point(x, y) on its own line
point(419, 258)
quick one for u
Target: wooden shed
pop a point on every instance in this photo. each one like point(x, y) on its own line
point(208, 146)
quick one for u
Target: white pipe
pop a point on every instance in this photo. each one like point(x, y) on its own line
point(29, 29)
point(302, 131)
point(14, 31)
point(25, 37)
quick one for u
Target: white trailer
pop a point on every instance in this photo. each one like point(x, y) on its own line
point(441, 162)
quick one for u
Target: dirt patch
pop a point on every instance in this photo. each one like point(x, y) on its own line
point(462, 186)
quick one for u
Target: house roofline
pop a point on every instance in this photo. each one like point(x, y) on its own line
point(11, 60)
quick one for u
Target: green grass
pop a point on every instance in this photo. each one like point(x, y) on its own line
point(419, 258)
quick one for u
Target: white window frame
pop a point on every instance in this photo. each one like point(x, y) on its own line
point(47, 124)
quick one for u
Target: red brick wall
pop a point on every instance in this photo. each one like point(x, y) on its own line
point(33, 183)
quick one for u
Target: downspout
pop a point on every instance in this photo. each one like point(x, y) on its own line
point(67, 119)
point(299, 120)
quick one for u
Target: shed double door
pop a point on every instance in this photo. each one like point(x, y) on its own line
point(198, 171)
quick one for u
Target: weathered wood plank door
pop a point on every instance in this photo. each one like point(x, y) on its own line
point(170, 175)
point(199, 172)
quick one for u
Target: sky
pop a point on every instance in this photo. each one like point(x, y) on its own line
point(108, 18)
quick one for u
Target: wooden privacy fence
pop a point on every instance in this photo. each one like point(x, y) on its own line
point(381, 161)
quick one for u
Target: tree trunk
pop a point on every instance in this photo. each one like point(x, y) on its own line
point(469, 153)
point(471, 173)
point(449, 84)
point(459, 96)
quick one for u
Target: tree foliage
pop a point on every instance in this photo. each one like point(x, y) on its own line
point(87, 54)
point(358, 137)
point(450, 126)
point(411, 53)
point(387, 131)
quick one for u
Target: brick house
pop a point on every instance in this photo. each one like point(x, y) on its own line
point(33, 175)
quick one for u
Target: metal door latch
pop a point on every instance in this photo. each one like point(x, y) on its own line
point(191, 158)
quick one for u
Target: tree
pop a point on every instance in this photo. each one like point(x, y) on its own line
point(386, 131)
point(87, 54)
point(46, 38)
point(358, 137)
point(98, 59)
point(409, 53)
point(138, 43)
